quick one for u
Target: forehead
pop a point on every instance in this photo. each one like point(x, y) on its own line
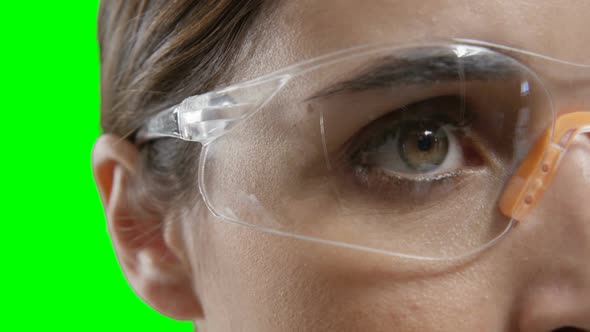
point(301, 29)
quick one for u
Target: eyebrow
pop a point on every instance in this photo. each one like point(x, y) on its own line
point(426, 66)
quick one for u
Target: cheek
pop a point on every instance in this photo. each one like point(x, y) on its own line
point(251, 281)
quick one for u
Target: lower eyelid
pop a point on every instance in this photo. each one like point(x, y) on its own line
point(377, 186)
point(422, 178)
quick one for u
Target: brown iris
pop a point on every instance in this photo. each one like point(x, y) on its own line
point(423, 145)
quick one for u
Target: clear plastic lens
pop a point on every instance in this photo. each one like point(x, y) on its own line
point(404, 151)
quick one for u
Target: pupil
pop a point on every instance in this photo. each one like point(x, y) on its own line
point(426, 141)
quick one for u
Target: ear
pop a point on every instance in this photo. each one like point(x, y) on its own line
point(149, 248)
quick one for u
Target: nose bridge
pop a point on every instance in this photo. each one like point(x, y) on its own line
point(572, 95)
point(567, 82)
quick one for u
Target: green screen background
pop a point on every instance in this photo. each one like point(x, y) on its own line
point(59, 272)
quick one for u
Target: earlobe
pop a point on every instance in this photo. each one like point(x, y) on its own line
point(146, 251)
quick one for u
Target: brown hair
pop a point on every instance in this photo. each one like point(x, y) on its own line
point(154, 53)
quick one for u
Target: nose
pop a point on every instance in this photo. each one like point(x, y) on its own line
point(558, 296)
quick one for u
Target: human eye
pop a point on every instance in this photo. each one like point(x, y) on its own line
point(426, 142)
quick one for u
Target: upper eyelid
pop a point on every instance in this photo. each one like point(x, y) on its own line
point(410, 113)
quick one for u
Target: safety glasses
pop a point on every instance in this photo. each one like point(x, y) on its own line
point(429, 151)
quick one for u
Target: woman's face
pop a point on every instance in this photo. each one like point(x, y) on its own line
point(533, 280)
point(537, 278)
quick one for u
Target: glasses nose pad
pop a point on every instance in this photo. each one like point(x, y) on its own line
point(566, 197)
point(554, 179)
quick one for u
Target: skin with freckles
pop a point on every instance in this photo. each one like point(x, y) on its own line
point(226, 277)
